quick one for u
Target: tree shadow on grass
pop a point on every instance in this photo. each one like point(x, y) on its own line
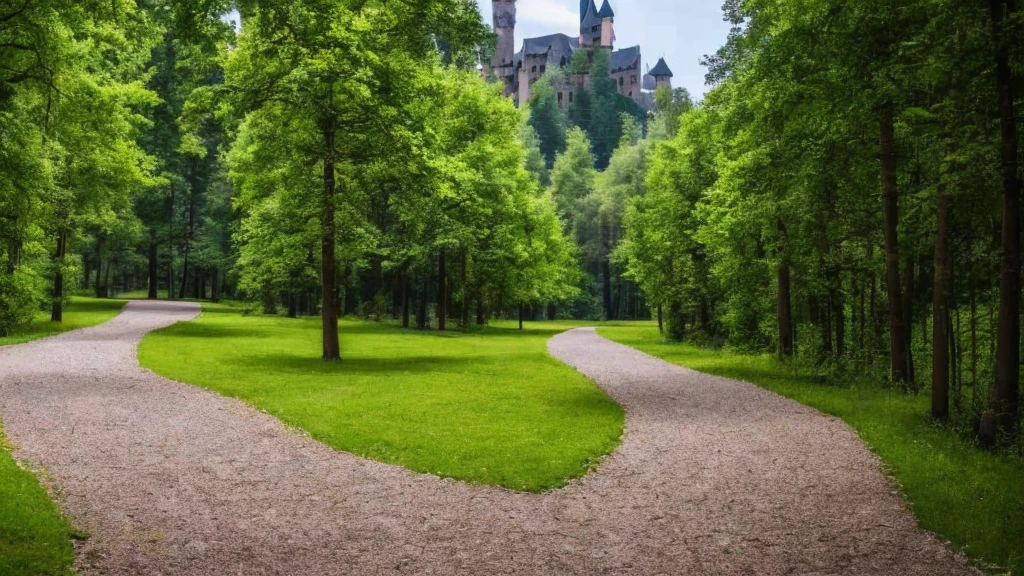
point(200, 330)
point(290, 363)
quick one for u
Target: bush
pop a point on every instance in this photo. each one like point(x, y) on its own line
point(19, 300)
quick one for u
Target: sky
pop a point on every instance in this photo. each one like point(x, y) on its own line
point(681, 31)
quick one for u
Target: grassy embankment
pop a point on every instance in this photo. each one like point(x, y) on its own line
point(970, 496)
point(81, 313)
point(488, 406)
point(35, 540)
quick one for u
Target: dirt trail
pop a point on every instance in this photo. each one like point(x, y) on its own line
point(714, 476)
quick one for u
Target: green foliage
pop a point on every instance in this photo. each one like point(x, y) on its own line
point(546, 118)
point(525, 421)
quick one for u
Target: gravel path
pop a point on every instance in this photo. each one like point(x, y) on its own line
point(714, 476)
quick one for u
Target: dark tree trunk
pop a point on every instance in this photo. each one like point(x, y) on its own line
point(897, 331)
point(520, 316)
point(405, 300)
point(57, 312)
point(1002, 417)
point(839, 316)
point(481, 313)
point(551, 311)
point(215, 285)
point(465, 290)
point(661, 320)
point(784, 310)
point(908, 314)
point(153, 274)
point(170, 246)
point(421, 315)
point(293, 305)
point(98, 287)
point(442, 292)
point(860, 319)
point(87, 263)
point(328, 270)
point(940, 313)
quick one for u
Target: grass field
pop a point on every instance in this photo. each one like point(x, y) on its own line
point(489, 407)
point(972, 497)
point(81, 313)
point(35, 540)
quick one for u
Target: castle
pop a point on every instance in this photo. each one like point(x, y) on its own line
point(518, 71)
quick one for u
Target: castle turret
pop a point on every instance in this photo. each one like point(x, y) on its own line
point(590, 26)
point(504, 54)
point(607, 16)
point(661, 74)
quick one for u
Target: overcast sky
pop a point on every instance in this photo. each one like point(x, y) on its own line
point(681, 31)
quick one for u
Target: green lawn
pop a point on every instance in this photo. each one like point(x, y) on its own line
point(972, 497)
point(35, 540)
point(81, 313)
point(489, 406)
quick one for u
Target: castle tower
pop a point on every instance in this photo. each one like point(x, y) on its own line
point(607, 16)
point(662, 74)
point(504, 53)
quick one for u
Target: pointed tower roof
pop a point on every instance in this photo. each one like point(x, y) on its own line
point(584, 4)
point(660, 69)
point(590, 19)
point(606, 11)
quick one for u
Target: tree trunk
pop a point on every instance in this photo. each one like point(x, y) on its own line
point(98, 289)
point(465, 290)
point(170, 246)
point(215, 285)
point(661, 320)
point(328, 232)
point(908, 314)
point(1002, 417)
point(897, 333)
point(442, 292)
point(520, 316)
point(57, 313)
point(839, 315)
point(940, 313)
point(784, 310)
point(405, 300)
point(481, 313)
point(153, 275)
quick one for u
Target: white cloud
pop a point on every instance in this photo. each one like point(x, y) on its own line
point(554, 14)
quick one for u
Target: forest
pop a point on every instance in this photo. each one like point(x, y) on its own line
point(329, 297)
point(846, 195)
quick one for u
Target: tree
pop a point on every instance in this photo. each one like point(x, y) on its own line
point(341, 75)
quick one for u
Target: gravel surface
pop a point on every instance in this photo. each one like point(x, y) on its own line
point(714, 476)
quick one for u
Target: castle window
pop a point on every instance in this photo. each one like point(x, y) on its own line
point(622, 82)
point(533, 69)
point(630, 93)
point(632, 79)
point(543, 68)
point(559, 99)
point(570, 97)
